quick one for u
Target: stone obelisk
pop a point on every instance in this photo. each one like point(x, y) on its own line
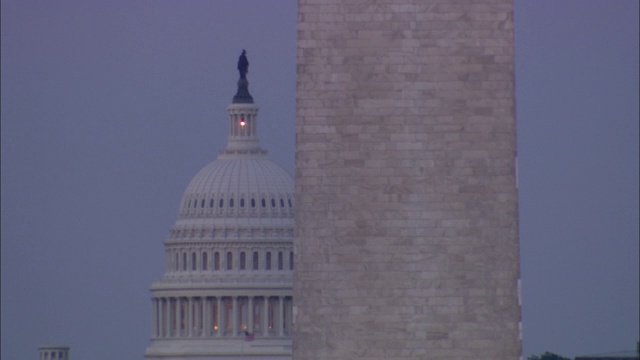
point(406, 233)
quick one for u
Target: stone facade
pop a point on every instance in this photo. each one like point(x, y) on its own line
point(406, 234)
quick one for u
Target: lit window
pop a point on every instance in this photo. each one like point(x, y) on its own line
point(214, 312)
point(243, 313)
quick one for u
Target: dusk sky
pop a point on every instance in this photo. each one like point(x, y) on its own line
point(109, 108)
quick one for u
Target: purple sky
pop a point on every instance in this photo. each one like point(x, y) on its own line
point(109, 108)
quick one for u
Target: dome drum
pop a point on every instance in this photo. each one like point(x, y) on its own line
point(230, 204)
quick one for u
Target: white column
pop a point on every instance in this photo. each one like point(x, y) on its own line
point(167, 317)
point(161, 317)
point(206, 309)
point(179, 316)
point(154, 318)
point(198, 302)
point(280, 316)
point(265, 317)
point(190, 323)
point(250, 314)
point(234, 313)
point(158, 312)
point(220, 317)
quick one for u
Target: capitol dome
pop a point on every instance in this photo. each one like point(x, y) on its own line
point(239, 187)
point(229, 256)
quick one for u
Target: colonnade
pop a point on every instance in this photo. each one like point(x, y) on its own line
point(206, 259)
point(248, 129)
point(218, 316)
point(54, 353)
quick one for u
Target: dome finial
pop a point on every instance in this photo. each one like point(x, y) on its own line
point(243, 96)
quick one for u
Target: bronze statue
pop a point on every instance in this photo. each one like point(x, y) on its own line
point(243, 64)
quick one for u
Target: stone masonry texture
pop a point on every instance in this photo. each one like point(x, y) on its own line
point(406, 233)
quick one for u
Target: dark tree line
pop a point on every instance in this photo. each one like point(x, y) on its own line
point(547, 356)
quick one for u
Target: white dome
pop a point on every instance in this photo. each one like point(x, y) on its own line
point(239, 187)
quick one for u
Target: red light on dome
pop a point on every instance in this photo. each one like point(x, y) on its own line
point(242, 123)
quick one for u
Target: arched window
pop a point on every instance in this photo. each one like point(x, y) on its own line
point(211, 203)
point(268, 261)
point(195, 203)
point(242, 202)
point(264, 203)
point(243, 261)
point(281, 203)
point(291, 260)
point(253, 203)
point(202, 203)
point(184, 261)
point(273, 202)
point(193, 261)
point(216, 261)
point(229, 260)
point(231, 202)
point(290, 205)
point(204, 261)
point(256, 261)
point(280, 261)
point(177, 262)
point(220, 203)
